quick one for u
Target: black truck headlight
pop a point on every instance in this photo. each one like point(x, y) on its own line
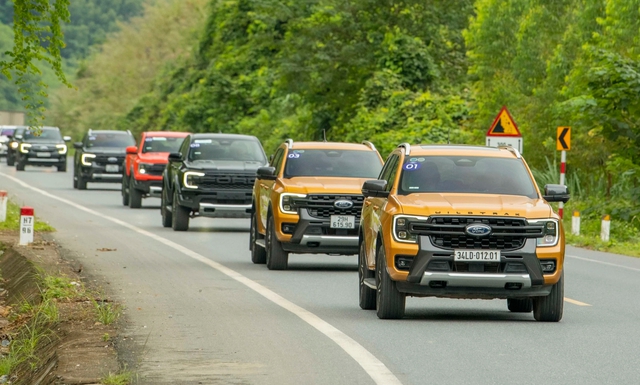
point(86, 159)
point(550, 232)
point(24, 148)
point(191, 178)
point(288, 202)
point(62, 148)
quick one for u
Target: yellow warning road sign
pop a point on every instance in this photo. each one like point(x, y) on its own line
point(563, 138)
point(504, 125)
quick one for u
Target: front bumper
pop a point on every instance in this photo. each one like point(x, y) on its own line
point(98, 174)
point(221, 204)
point(33, 160)
point(518, 275)
point(315, 236)
point(152, 188)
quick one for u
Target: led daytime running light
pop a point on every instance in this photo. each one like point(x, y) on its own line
point(185, 178)
point(86, 159)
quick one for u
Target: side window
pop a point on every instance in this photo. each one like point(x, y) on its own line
point(277, 160)
point(393, 172)
point(184, 149)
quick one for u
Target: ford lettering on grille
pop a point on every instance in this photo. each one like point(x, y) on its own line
point(343, 204)
point(478, 230)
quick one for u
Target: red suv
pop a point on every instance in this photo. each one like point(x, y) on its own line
point(144, 165)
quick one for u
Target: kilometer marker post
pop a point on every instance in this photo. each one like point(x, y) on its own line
point(26, 225)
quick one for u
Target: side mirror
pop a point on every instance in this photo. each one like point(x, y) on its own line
point(173, 157)
point(78, 145)
point(375, 188)
point(268, 173)
point(66, 138)
point(556, 193)
point(132, 150)
point(18, 137)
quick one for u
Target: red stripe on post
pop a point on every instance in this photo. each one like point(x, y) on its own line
point(3, 193)
point(26, 211)
point(560, 212)
point(563, 168)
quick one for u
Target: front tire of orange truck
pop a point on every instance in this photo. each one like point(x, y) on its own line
point(390, 303)
point(550, 308)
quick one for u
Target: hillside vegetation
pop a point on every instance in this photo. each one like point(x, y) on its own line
point(395, 71)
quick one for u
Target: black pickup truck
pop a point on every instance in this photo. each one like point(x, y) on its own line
point(211, 176)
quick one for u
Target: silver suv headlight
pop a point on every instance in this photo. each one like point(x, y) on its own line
point(550, 232)
point(288, 202)
point(401, 231)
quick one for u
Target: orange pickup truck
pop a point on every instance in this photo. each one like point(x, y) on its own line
point(144, 165)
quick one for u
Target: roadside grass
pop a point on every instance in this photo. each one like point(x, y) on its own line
point(122, 378)
point(107, 312)
point(13, 220)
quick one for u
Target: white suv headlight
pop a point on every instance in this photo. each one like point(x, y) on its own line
point(288, 202)
point(86, 159)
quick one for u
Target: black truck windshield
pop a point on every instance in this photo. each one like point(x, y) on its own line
point(110, 139)
point(473, 175)
point(332, 163)
point(46, 134)
point(225, 149)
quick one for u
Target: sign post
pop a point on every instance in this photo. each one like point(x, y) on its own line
point(3, 205)
point(563, 144)
point(504, 132)
point(26, 225)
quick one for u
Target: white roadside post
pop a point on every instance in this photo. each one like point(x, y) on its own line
point(3, 205)
point(575, 223)
point(605, 228)
point(26, 225)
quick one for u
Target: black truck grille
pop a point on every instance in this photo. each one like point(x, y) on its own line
point(449, 232)
point(227, 181)
point(322, 206)
point(108, 159)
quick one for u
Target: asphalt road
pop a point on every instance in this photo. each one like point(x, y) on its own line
point(199, 312)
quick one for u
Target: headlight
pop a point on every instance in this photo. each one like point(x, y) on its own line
point(86, 159)
point(62, 148)
point(142, 167)
point(24, 148)
point(288, 202)
point(190, 179)
point(550, 232)
point(401, 231)
point(14, 145)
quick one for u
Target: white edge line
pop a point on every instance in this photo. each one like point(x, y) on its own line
point(603, 263)
point(375, 368)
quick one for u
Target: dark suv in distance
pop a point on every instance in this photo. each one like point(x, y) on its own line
point(211, 176)
point(12, 144)
point(99, 157)
point(44, 147)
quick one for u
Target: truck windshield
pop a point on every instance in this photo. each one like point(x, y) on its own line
point(332, 163)
point(161, 144)
point(473, 175)
point(240, 150)
point(48, 134)
point(110, 139)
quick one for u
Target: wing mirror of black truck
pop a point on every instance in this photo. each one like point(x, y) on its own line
point(375, 188)
point(175, 157)
point(267, 172)
point(556, 193)
point(77, 145)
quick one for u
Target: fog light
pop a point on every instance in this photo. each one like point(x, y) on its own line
point(549, 238)
point(287, 207)
point(288, 228)
point(402, 234)
point(548, 267)
point(404, 263)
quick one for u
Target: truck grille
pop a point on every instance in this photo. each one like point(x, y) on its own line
point(104, 159)
point(226, 181)
point(156, 169)
point(322, 206)
point(449, 232)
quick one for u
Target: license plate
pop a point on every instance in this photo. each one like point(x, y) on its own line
point(112, 168)
point(476, 255)
point(43, 154)
point(343, 222)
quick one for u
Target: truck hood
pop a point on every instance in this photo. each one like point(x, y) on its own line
point(474, 204)
point(153, 157)
point(315, 185)
point(226, 165)
point(106, 151)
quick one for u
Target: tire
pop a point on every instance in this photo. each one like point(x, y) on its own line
point(180, 215)
point(135, 196)
point(19, 166)
point(549, 308)
point(82, 183)
point(75, 181)
point(277, 258)
point(520, 305)
point(167, 216)
point(390, 303)
point(258, 253)
point(62, 167)
point(367, 294)
point(125, 191)
point(11, 161)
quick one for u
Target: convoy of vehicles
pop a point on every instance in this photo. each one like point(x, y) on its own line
point(445, 221)
point(460, 222)
point(309, 199)
point(212, 176)
point(145, 164)
point(6, 133)
point(99, 158)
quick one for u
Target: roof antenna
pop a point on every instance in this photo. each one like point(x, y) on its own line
point(324, 134)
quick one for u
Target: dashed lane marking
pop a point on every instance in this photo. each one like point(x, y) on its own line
point(377, 370)
point(604, 263)
point(573, 301)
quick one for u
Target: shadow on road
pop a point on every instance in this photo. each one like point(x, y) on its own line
point(465, 315)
